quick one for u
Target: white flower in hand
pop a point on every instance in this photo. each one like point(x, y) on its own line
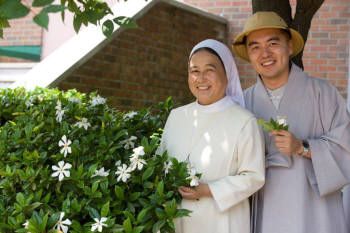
point(136, 162)
point(65, 144)
point(83, 123)
point(99, 224)
point(61, 170)
point(129, 143)
point(194, 179)
point(282, 120)
point(61, 225)
point(123, 173)
point(101, 172)
point(167, 166)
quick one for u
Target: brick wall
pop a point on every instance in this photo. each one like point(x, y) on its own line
point(143, 66)
point(326, 51)
point(23, 31)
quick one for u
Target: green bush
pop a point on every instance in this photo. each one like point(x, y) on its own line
point(70, 161)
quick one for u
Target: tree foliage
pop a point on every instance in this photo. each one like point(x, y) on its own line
point(85, 12)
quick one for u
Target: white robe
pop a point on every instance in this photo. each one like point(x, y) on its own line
point(303, 195)
point(227, 147)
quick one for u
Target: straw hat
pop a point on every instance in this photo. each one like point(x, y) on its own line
point(261, 20)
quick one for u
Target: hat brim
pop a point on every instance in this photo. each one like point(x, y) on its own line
point(240, 49)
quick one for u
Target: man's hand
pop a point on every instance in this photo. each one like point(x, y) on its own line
point(286, 142)
point(202, 190)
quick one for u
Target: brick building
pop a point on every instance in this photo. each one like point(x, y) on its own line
point(138, 67)
point(144, 65)
point(326, 53)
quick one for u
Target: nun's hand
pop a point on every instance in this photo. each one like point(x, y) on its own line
point(202, 190)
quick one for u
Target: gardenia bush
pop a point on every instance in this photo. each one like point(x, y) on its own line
point(69, 163)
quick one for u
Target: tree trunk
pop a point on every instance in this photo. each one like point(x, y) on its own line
point(301, 21)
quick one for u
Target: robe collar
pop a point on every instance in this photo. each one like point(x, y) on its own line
point(218, 106)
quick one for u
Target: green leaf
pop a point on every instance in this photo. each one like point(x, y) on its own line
point(77, 22)
point(94, 187)
point(127, 225)
point(125, 22)
point(105, 210)
point(160, 188)
point(13, 9)
point(134, 196)
point(42, 19)
point(93, 213)
point(138, 229)
point(4, 23)
point(20, 199)
point(142, 214)
point(54, 8)
point(170, 208)
point(182, 213)
point(108, 28)
point(266, 125)
point(39, 3)
point(129, 215)
point(147, 173)
point(33, 206)
point(158, 225)
point(119, 192)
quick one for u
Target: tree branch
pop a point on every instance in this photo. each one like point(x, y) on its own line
point(305, 11)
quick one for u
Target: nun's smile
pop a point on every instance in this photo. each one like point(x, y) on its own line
point(206, 77)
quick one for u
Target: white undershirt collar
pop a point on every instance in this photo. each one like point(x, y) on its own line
point(218, 106)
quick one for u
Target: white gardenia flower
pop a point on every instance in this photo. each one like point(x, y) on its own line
point(138, 151)
point(59, 111)
point(25, 224)
point(61, 171)
point(130, 115)
point(75, 100)
point(136, 162)
point(282, 120)
point(61, 225)
point(129, 143)
point(167, 166)
point(83, 123)
point(194, 179)
point(123, 173)
point(97, 100)
point(101, 172)
point(64, 143)
point(59, 115)
point(99, 224)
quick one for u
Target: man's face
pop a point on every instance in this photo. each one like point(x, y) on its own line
point(269, 51)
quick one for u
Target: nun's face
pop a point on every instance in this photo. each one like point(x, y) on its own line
point(206, 77)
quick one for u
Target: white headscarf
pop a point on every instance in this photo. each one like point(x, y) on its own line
point(233, 89)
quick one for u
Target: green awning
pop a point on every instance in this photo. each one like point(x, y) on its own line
point(31, 52)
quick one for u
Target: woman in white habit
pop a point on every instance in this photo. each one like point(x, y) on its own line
point(221, 140)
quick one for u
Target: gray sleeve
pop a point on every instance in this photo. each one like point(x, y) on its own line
point(331, 152)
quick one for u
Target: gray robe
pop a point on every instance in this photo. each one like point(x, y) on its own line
point(302, 195)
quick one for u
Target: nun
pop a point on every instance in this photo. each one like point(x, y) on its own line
point(220, 139)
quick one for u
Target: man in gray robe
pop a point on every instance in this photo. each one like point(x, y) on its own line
point(309, 164)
